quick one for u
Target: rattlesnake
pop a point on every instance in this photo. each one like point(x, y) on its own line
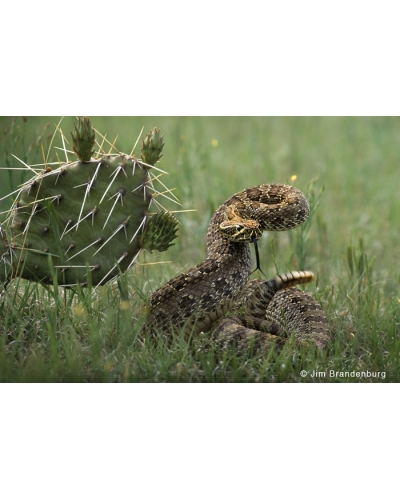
point(198, 299)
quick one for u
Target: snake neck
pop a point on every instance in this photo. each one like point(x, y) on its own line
point(224, 251)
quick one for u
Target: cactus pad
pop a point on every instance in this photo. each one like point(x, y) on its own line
point(85, 220)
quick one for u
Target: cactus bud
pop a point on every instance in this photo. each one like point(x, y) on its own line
point(159, 233)
point(83, 139)
point(152, 146)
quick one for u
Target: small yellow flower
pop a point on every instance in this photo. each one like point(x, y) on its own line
point(293, 178)
point(79, 310)
point(214, 143)
point(124, 305)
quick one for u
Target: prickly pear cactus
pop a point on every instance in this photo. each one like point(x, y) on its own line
point(85, 220)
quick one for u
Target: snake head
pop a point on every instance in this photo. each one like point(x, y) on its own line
point(237, 228)
point(241, 231)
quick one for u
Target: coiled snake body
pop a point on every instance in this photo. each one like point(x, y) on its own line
point(199, 298)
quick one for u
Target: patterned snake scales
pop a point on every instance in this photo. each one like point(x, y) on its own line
point(261, 312)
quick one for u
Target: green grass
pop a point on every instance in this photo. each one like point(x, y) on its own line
point(349, 169)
